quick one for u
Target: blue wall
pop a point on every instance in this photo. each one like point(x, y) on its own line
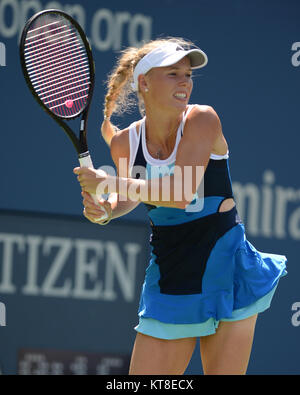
point(252, 80)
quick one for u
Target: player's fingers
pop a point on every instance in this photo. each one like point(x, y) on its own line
point(87, 216)
point(107, 207)
point(93, 217)
point(96, 211)
point(104, 204)
point(91, 205)
point(82, 170)
point(87, 197)
point(76, 169)
point(88, 202)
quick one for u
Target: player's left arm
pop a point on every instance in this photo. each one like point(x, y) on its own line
point(202, 135)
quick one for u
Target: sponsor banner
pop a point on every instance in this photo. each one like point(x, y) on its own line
point(57, 362)
point(67, 284)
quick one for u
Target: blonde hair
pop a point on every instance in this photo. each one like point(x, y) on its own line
point(120, 95)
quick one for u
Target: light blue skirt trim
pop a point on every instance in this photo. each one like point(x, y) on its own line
point(161, 330)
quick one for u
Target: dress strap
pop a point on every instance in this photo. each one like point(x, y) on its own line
point(134, 141)
point(188, 110)
point(185, 115)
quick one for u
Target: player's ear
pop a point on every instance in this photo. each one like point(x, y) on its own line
point(143, 85)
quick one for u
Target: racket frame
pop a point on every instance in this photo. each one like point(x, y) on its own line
point(80, 143)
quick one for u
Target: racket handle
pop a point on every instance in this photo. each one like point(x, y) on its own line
point(85, 160)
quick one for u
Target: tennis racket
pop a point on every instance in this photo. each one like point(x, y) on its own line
point(58, 66)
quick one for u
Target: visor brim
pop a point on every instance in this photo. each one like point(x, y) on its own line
point(197, 58)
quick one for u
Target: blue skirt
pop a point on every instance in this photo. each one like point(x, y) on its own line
point(205, 270)
point(161, 330)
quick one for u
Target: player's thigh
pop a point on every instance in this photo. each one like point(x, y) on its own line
point(151, 355)
point(228, 350)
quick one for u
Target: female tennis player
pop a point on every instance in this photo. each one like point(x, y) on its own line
point(204, 278)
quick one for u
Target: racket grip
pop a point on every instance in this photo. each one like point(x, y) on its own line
point(85, 160)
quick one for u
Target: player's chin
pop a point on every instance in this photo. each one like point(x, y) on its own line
point(180, 103)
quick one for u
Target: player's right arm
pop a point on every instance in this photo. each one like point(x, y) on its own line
point(120, 153)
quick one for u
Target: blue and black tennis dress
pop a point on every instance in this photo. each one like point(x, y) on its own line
point(202, 269)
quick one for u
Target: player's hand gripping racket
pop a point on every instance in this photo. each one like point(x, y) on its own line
point(58, 67)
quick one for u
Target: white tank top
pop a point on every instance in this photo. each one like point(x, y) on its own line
point(134, 139)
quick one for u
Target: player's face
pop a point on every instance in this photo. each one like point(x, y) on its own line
point(170, 86)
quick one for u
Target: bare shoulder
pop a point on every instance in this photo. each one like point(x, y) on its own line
point(203, 122)
point(205, 115)
point(120, 143)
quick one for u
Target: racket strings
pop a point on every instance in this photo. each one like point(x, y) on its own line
point(58, 65)
point(54, 71)
point(84, 72)
point(54, 36)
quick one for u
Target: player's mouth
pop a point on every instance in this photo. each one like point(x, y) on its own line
point(182, 96)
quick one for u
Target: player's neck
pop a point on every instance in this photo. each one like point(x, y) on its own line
point(160, 128)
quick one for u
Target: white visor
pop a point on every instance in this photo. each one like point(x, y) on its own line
point(166, 55)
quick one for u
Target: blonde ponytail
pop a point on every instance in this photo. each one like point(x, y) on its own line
point(119, 89)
